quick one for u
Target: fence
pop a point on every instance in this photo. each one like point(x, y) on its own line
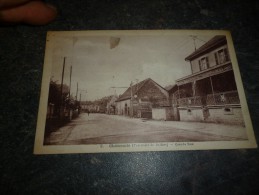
point(230, 97)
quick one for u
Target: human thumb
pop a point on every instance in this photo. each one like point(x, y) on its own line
point(33, 12)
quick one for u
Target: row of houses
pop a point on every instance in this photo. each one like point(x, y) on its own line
point(209, 93)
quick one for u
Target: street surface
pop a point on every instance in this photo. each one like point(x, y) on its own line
point(107, 129)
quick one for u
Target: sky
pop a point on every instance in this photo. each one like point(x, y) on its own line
point(97, 68)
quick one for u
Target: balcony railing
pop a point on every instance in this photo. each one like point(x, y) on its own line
point(190, 101)
point(230, 97)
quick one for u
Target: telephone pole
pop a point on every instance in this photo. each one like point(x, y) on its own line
point(76, 90)
point(61, 90)
point(70, 82)
point(131, 99)
point(194, 41)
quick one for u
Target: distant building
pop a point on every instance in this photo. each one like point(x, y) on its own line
point(139, 99)
point(111, 105)
point(210, 92)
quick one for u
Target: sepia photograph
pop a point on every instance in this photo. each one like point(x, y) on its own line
point(149, 90)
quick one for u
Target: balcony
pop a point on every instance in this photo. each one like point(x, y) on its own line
point(190, 101)
point(230, 97)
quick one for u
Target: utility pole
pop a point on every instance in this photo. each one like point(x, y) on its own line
point(131, 99)
point(61, 90)
point(70, 82)
point(137, 87)
point(194, 41)
point(76, 90)
point(118, 87)
point(81, 90)
point(80, 98)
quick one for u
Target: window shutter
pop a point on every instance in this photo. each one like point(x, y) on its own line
point(226, 54)
point(216, 58)
point(207, 62)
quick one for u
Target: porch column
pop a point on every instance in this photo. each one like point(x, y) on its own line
point(177, 99)
point(178, 92)
point(211, 84)
point(194, 88)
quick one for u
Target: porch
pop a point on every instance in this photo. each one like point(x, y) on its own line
point(223, 98)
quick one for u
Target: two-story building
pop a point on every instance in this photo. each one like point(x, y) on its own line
point(210, 92)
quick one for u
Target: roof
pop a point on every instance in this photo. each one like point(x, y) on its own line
point(172, 88)
point(210, 45)
point(112, 100)
point(135, 88)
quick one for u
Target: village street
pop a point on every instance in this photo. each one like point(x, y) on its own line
point(106, 129)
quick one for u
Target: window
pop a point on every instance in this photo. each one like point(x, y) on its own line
point(221, 56)
point(228, 111)
point(204, 63)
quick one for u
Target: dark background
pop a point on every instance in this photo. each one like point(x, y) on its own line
point(177, 172)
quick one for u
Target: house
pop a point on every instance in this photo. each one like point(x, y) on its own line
point(139, 99)
point(110, 109)
point(210, 92)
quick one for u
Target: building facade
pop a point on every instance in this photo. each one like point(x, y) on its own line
point(111, 105)
point(210, 92)
point(139, 99)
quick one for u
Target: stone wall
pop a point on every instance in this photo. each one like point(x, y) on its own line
point(162, 113)
point(228, 115)
point(191, 114)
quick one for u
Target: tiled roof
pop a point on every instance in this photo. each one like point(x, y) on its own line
point(135, 89)
point(172, 88)
point(215, 41)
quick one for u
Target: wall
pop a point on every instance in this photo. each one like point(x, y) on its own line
point(212, 61)
point(154, 93)
point(120, 107)
point(235, 115)
point(195, 114)
point(216, 115)
point(159, 113)
point(163, 113)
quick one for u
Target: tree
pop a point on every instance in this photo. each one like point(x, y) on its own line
point(55, 96)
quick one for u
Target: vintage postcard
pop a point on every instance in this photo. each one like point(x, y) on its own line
point(147, 90)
